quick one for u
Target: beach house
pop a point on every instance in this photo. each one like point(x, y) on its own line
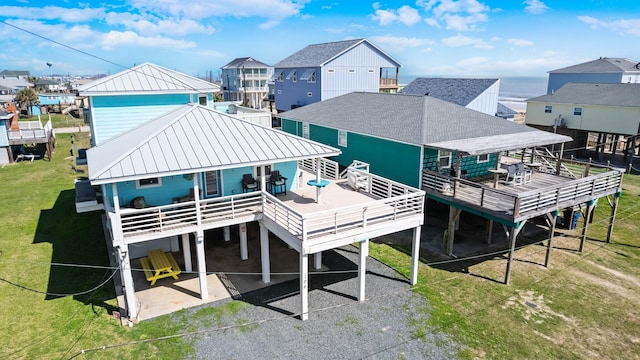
point(322, 71)
point(170, 179)
point(245, 80)
point(473, 162)
point(602, 70)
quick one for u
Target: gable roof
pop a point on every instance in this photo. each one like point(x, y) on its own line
point(317, 55)
point(504, 110)
point(14, 73)
point(413, 119)
point(602, 65)
point(624, 95)
point(246, 62)
point(147, 78)
point(191, 139)
point(457, 91)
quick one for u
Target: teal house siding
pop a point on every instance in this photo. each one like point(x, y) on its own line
point(113, 115)
point(172, 186)
point(390, 159)
point(232, 180)
point(468, 163)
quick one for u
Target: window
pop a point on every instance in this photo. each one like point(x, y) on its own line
point(312, 78)
point(305, 130)
point(331, 71)
point(202, 100)
point(342, 138)
point(352, 71)
point(148, 183)
point(577, 111)
point(211, 183)
point(444, 159)
point(294, 78)
point(483, 158)
point(309, 75)
point(267, 170)
point(280, 76)
point(547, 109)
point(292, 74)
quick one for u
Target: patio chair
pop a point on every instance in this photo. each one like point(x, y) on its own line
point(526, 173)
point(277, 183)
point(513, 176)
point(249, 183)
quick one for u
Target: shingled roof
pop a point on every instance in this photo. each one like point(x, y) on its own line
point(317, 55)
point(457, 91)
point(602, 65)
point(418, 120)
point(624, 95)
point(246, 62)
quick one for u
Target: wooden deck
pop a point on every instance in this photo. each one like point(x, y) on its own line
point(379, 207)
point(514, 203)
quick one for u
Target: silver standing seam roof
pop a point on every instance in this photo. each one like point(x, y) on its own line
point(623, 95)
point(194, 139)
point(147, 78)
point(317, 55)
point(422, 121)
point(457, 91)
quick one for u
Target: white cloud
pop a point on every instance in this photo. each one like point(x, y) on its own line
point(152, 25)
point(473, 61)
point(460, 40)
point(69, 15)
point(535, 7)
point(461, 15)
point(625, 26)
point(115, 39)
point(520, 42)
point(202, 9)
point(405, 15)
point(397, 43)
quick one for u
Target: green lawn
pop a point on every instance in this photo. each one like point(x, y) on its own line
point(57, 120)
point(585, 306)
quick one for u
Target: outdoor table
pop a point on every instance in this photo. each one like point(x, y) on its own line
point(496, 175)
point(319, 184)
point(159, 265)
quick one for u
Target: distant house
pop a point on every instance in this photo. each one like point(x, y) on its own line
point(459, 157)
point(45, 85)
point(323, 71)
point(506, 112)
point(6, 95)
point(124, 100)
point(185, 169)
point(476, 94)
point(245, 80)
point(576, 109)
point(603, 70)
point(14, 74)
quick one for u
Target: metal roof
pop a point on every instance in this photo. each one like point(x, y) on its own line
point(602, 65)
point(147, 78)
point(457, 91)
point(412, 119)
point(319, 54)
point(246, 62)
point(193, 139)
point(624, 95)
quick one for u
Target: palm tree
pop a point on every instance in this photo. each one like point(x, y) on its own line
point(26, 98)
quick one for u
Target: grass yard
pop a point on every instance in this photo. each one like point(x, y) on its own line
point(586, 305)
point(57, 120)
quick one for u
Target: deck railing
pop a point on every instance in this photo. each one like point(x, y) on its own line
point(394, 201)
point(30, 130)
point(328, 169)
point(525, 205)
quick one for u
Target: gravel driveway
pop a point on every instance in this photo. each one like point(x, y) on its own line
point(390, 324)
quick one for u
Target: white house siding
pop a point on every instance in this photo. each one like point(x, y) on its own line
point(609, 119)
point(487, 102)
point(366, 63)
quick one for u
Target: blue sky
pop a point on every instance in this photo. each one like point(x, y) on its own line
point(465, 38)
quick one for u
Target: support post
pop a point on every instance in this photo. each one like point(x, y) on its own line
point(489, 231)
point(186, 251)
point(202, 265)
point(512, 240)
point(453, 216)
point(244, 249)
point(612, 218)
point(264, 254)
point(415, 254)
point(317, 260)
point(304, 286)
point(590, 205)
point(129, 289)
point(362, 269)
point(227, 233)
point(552, 233)
point(559, 162)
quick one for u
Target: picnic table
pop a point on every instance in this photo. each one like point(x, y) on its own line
point(159, 264)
